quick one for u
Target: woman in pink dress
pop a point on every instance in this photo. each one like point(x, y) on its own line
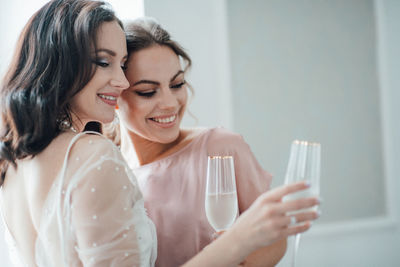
point(170, 162)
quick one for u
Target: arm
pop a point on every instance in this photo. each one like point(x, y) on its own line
point(263, 224)
point(252, 181)
point(105, 216)
point(267, 256)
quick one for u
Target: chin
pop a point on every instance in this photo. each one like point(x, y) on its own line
point(167, 139)
point(107, 118)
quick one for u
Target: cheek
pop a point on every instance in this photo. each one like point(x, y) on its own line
point(78, 101)
point(131, 110)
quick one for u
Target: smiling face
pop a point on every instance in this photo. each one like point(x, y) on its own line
point(155, 103)
point(97, 100)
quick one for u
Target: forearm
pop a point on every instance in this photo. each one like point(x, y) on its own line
point(226, 251)
point(267, 256)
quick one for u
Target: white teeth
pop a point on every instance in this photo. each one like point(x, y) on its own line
point(165, 120)
point(108, 97)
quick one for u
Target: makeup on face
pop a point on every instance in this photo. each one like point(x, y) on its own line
point(97, 100)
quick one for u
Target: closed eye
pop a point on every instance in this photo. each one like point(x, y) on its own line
point(145, 94)
point(179, 85)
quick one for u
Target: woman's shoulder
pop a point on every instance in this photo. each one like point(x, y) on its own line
point(92, 146)
point(219, 140)
point(211, 134)
point(93, 157)
point(223, 136)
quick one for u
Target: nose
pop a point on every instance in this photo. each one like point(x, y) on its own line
point(119, 80)
point(167, 99)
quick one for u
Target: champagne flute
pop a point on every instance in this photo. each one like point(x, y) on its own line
point(304, 165)
point(221, 197)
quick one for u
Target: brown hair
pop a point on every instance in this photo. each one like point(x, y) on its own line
point(52, 62)
point(146, 32)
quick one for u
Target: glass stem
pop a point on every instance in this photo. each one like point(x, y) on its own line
point(295, 249)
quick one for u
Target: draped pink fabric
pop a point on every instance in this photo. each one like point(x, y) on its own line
point(174, 192)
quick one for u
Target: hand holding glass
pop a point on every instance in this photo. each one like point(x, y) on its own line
point(304, 165)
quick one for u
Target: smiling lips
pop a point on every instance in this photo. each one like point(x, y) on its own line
point(110, 99)
point(165, 121)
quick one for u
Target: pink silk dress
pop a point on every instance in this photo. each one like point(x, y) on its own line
point(174, 192)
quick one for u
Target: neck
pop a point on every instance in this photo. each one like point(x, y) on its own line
point(139, 151)
point(77, 124)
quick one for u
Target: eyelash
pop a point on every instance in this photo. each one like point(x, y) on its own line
point(105, 65)
point(145, 94)
point(150, 94)
point(102, 64)
point(179, 85)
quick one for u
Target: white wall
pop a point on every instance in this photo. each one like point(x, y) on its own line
point(307, 70)
point(13, 16)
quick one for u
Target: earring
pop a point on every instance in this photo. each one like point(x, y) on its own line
point(66, 125)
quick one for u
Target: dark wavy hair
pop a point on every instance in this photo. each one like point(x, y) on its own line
point(52, 63)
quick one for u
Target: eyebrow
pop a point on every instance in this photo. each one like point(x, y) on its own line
point(110, 52)
point(157, 83)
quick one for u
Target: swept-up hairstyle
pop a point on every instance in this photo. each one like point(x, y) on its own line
point(53, 61)
point(147, 32)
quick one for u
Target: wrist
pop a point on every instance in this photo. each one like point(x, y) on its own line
point(238, 245)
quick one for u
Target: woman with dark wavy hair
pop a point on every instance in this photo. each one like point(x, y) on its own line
point(68, 198)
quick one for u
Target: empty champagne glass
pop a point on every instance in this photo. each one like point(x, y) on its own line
point(221, 197)
point(304, 165)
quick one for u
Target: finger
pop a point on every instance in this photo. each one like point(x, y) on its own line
point(301, 217)
point(297, 229)
point(280, 222)
point(278, 193)
point(297, 204)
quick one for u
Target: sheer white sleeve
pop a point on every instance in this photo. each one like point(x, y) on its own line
point(97, 212)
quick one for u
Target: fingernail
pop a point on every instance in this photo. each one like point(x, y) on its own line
point(307, 183)
point(320, 200)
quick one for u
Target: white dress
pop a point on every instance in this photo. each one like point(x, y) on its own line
point(94, 214)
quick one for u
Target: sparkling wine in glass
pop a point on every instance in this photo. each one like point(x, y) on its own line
point(221, 197)
point(304, 165)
